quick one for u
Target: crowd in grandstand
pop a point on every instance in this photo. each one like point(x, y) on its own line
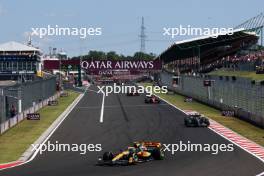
point(245, 58)
point(233, 62)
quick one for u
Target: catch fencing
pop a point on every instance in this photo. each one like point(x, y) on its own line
point(241, 95)
point(24, 98)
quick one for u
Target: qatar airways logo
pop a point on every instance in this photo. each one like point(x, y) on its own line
point(121, 65)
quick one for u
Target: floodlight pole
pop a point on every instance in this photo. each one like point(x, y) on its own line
point(142, 36)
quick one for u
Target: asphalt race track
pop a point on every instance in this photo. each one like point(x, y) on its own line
point(128, 119)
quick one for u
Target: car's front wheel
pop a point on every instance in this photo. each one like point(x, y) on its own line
point(108, 156)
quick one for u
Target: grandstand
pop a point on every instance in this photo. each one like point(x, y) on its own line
point(189, 63)
point(201, 53)
point(18, 61)
point(239, 51)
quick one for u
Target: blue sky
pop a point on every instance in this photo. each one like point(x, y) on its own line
point(119, 20)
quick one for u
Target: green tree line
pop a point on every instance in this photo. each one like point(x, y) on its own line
point(112, 55)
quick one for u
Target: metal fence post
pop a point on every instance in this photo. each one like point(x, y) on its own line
point(19, 100)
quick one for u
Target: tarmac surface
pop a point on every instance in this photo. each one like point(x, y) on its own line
point(129, 119)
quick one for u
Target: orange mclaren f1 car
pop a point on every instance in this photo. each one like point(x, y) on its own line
point(138, 153)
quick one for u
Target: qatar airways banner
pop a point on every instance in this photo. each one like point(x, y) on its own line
point(121, 65)
point(55, 64)
point(96, 65)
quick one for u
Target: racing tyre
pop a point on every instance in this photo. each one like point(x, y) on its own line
point(196, 122)
point(158, 154)
point(108, 156)
point(187, 122)
point(207, 122)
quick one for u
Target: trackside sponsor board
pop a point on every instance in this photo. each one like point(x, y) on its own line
point(33, 116)
point(55, 64)
point(96, 65)
point(121, 65)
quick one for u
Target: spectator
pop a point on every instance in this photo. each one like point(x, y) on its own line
point(13, 111)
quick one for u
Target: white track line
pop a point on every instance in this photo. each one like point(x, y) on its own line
point(101, 120)
point(102, 110)
point(261, 174)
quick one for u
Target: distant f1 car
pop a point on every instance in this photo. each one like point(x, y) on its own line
point(133, 93)
point(188, 99)
point(194, 119)
point(152, 99)
point(138, 153)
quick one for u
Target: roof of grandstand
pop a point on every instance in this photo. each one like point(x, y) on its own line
point(15, 46)
point(252, 24)
point(209, 48)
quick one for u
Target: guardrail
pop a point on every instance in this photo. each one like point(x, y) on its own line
point(226, 93)
point(22, 96)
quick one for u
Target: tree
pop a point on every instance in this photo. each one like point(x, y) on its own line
point(112, 55)
point(95, 55)
point(144, 56)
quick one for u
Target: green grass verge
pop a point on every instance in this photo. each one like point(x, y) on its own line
point(244, 74)
point(16, 140)
point(241, 127)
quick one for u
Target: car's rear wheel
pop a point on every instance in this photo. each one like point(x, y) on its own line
point(207, 122)
point(158, 154)
point(187, 122)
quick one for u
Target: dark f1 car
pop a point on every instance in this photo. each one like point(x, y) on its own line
point(152, 99)
point(133, 93)
point(194, 119)
point(138, 153)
